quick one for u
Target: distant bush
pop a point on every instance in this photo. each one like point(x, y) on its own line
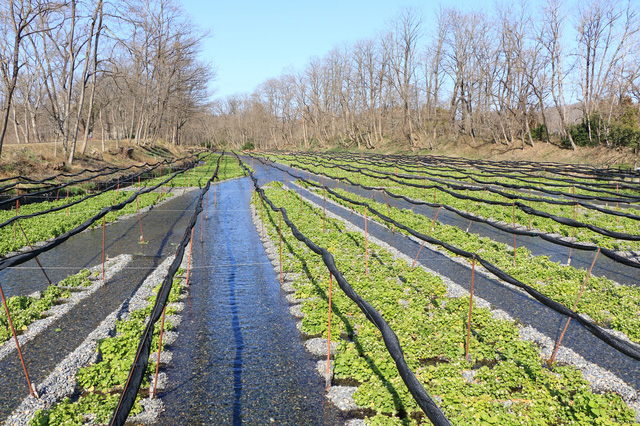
point(248, 145)
point(539, 132)
point(624, 131)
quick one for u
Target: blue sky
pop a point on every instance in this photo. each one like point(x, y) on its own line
point(253, 41)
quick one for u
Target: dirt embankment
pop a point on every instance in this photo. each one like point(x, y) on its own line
point(541, 151)
point(40, 160)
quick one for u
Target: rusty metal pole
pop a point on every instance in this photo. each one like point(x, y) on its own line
point(328, 377)
point(117, 189)
point(575, 305)
point(617, 205)
point(473, 272)
point(514, 234)
point(32, 391)
point(430, 229)
point(155, 379)
point(280, 239)
point(103, 254)
point(139, 220)
point(366, 251)
point(467, 200)
point(324, 202)
point(164, 188)
point(36, 258)
point(15, 229)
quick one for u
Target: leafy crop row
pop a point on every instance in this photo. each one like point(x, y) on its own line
point(506, 382)
point(508, 215)
point(198, 176)
point(27, 309)
point(609, 304)
point(493, 175)
point(51, 225)
point(97, 385)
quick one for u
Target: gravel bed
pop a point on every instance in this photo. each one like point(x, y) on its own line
point(340, 396)
point(61, 382)
point(296, 311)
point(318, 346)
point(112, 267)
point(599, 379)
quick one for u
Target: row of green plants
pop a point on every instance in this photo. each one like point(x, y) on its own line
point(51, 225)
point(504, 381)
point(98, 386)
point(198, 176)
point(508, 214)
point(25, 310)
point(609, 304)
point(543, 180)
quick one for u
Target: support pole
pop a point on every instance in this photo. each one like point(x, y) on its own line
point(35, 258)
point(324, 203)
point(473, 272)
point(32, 391)
point(103, 254)
point(435, 216)
point(575, 305)
point(139, 220)
point(514, 234)
point(280, 241)
point(15, 229)
point(155, 379)
point(366, 251)
point(328, 377)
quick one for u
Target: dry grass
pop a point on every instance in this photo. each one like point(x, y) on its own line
point(541, 151)
point(38, 160)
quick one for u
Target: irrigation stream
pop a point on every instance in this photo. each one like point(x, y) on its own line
point(526, 310)
point(238, 359)
point(164, 226)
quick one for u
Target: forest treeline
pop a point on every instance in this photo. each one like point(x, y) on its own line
point(79, 69)
point(511, 74)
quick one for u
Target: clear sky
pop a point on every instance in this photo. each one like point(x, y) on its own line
point(253, 40)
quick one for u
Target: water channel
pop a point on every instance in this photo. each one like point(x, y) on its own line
point(238, 359)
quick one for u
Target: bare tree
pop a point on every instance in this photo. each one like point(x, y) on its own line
point(16, 24)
